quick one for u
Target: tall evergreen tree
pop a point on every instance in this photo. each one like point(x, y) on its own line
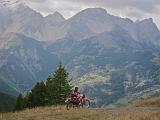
point(56, 90)
point(57, 86)
point(37, 96)
point(19, 103)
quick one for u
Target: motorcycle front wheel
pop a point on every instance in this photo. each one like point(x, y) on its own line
point(86, 104)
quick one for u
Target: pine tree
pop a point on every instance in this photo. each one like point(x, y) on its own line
point(19, 103)
point(37, 96)
point(27, 100)
point(58, 88)
point(51, 90)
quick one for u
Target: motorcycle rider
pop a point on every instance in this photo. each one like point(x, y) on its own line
point(77, 100)
point(74, 95)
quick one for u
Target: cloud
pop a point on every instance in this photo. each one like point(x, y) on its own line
point(66, 7)
point(143, 5)
point(135, 9)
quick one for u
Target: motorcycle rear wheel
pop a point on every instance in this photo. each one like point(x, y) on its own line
point(69, 105)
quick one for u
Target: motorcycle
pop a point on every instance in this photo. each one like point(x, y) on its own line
point(81, 101)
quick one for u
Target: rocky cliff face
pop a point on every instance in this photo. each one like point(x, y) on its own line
point(23, 62)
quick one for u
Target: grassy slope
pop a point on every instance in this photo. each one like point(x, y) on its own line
point(60, 113)
point(149, 102)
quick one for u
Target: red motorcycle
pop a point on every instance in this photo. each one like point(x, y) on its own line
point(81, 101)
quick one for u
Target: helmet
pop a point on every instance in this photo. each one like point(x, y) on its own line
point(76, 88)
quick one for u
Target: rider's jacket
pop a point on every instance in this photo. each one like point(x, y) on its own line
point(74, 93)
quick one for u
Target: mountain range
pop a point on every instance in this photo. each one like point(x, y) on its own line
point(113, 60)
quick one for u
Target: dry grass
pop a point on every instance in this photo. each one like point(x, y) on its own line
point(53, 113)
point(149, 102)
point(60, 113)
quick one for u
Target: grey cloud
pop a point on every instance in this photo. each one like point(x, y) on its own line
point(37, 1)
point(66, 7)
point(136, 9)
point(145, 5)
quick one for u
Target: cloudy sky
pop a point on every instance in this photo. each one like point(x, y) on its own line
point(134, 9)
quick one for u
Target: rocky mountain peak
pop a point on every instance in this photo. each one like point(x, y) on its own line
point(148, 24)
point(12, 4)
point(55, 17)
point(92, 13)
